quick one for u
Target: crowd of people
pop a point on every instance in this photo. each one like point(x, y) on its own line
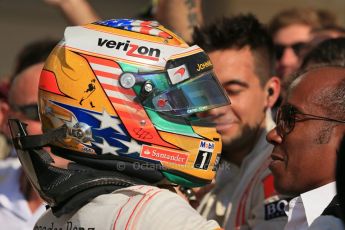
point(166, 122)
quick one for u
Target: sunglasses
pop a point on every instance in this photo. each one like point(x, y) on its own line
point(29, 111)
point(286, 119)
point(296, 47)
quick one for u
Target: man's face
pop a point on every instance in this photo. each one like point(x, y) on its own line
point(24, 94)
point(304, 158)
point(23, 98)
point(239, 122)
point(289, 42)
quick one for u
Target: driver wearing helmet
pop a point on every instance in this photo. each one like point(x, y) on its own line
point(118, 99)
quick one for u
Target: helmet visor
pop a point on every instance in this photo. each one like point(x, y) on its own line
point(196, 95)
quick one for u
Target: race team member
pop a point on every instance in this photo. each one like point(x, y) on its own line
point(135, 133)
point(242, 54)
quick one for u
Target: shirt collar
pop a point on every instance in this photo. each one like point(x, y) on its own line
point(270, 124)
point(296, 214)
point(316, 200)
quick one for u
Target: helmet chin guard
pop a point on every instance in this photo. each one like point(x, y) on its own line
point(57, 185)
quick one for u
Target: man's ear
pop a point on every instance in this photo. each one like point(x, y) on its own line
point(272, 89)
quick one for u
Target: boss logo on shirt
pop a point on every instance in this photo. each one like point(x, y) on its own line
point(275, 209)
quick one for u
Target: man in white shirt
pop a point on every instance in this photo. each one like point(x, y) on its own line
point(20, 204)
point(310, 125)
point(15, 212)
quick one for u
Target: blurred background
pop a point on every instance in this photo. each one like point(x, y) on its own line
point(23, 21)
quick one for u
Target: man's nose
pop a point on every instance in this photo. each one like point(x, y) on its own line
point(289, 57)
point(273, 137)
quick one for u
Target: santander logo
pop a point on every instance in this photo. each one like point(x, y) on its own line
point(164, 155)
point(147, 152)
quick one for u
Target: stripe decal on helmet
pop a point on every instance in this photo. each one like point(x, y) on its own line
point(130, 112)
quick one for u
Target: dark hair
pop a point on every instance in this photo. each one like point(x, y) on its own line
point(330, 99)
point(33, 53)
point(335, 100)
point(236, 33)
point(329, 52)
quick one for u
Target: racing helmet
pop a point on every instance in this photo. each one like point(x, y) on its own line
point(128, 92)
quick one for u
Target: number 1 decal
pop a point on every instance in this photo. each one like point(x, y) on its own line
point(206, 149)
point(203, 160)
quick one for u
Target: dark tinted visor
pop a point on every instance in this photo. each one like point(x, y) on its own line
point(195, 95)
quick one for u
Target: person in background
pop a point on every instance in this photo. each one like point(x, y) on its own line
point(327, 32)
point(77, 12)
point(20, 205)
point(31, 54)
point(179, 16)
point(318, 36)
point(291, 31)
point(243, 196)
point(328, 52)
point(310, 126)
point(4, 107)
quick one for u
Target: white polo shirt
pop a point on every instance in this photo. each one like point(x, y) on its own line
point(14, 210)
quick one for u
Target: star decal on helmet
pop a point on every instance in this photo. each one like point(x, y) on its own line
point(108, 133)
point(106, 148)
point(108, 121)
